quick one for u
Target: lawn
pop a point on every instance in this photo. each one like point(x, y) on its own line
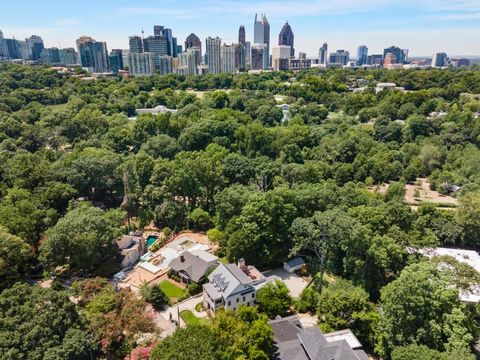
point(171, 290)
point(199, 307)
point(190, 318)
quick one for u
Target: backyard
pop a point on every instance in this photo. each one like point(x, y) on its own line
point(172, 291)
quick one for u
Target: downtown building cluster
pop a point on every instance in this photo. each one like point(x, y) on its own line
point(161, 53)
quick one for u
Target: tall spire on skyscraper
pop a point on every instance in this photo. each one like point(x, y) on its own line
point(286, 38)
point(241, 35)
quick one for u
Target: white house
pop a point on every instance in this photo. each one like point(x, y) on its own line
point(230, 286)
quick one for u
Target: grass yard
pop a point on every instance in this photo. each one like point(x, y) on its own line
point(171, 290)
point(190, 318)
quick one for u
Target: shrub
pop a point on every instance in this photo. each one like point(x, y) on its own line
point(155, 296)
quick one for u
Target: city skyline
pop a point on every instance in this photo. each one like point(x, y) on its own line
point(443, 27)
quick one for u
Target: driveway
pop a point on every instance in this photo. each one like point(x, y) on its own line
point(294, 283)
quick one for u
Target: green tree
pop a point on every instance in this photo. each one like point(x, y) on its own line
point(468, 216)
point(15, 258)
point(274, 299)
point(154, 295)
point(46, 318)
point(84, 239)
point(422, 307)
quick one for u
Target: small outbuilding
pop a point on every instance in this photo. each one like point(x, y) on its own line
point(294, 265)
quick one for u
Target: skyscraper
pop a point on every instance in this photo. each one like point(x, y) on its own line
point(156, 45)
point(93, 54)
point(141, 64)
point(261, 35)
point(116, 60)
point(340, 57)
point(213, 52)
point(280, 57)
point(135, 44)
point(68, 56)
point(323, 54)
point(440, 60)
point(241, 35)
point(34, 46)
point(228, 58)
point(162, 31)
point(362, 55)
point(192, 40)
point(286, 38)
point(258, 56)
point(400, 54)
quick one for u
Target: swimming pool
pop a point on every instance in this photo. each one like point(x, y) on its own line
point(151, 240)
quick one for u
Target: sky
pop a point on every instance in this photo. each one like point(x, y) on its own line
point(423, 26)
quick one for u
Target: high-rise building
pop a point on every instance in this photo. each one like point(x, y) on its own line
point(50, 56)
point(162, 31)
point(248, 54)
point(228, 58)
point(34, 47)
point(400, 54)
point(3, 50)
point(460, 62)
point(375, 60)
point(158, 46)
point(213, 54)
point(286, 38)
point(135, 44)
point(116, 60)
point(440, 60)
point(258, 57)
point(188, 61)
point(340, 57)
point(166, 65)
point(280, 57)
point(241, 35)
point(362, 55)
point(261, 35)
point(240, 57)
point(193, 41)
point(68, 57)
point(141, 64)
point(323, 54)
point(302, 55)
point(93, 54)
point(13, 49)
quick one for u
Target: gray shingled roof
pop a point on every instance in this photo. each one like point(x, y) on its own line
point(190, 264)
point(296, 343)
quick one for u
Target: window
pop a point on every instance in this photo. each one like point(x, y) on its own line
point(248, 303)
point(243, 299)
point(229, 303)
point(238, 300)
point(253, 295)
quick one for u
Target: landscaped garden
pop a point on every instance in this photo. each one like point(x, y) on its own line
point(190, 318)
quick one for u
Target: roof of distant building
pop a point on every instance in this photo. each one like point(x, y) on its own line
point(294, 342)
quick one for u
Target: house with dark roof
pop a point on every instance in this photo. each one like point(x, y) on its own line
point(192, 266)
point(131, 247)
point(232, 285)
point(294, 342)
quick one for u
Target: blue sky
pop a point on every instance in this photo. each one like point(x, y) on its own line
point(423, 26)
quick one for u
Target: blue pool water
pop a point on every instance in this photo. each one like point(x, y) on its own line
point(150, 240)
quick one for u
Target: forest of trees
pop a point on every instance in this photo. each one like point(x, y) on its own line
point(265, 188)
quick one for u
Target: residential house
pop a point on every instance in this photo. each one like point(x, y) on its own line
point(192, 266)
point(294, 342)
point(131, 246)
point(232, 285)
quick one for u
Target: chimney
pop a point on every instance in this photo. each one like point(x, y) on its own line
point(241, 264)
